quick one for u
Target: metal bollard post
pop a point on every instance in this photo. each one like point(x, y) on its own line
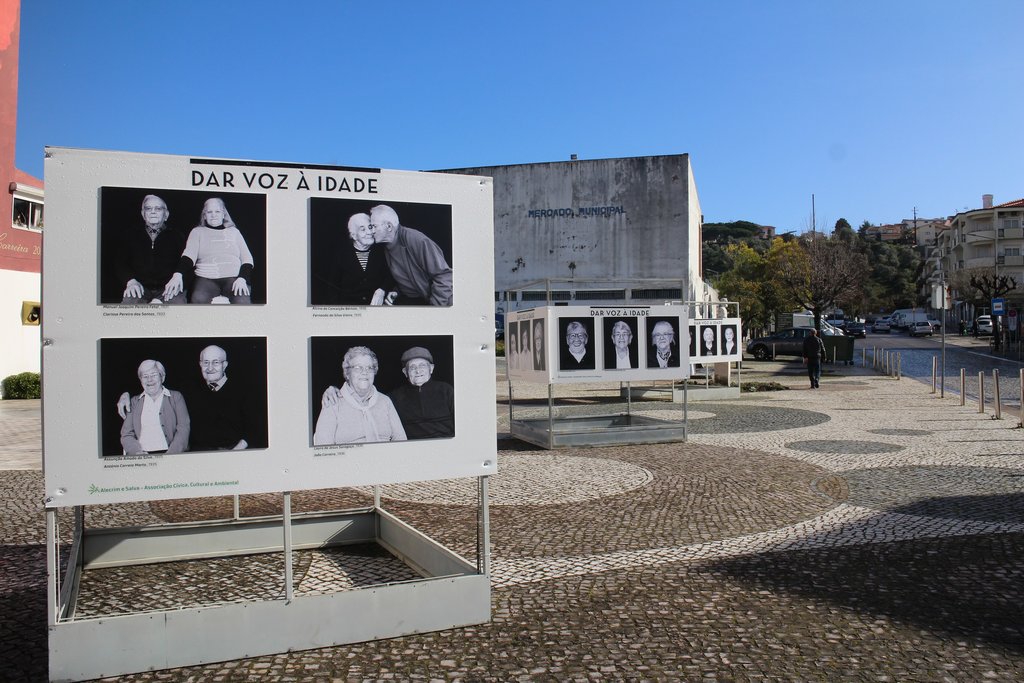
point(981, 391)
point(899, 365)
point(934, 371)
point(1021, 404)
point(885, 363)
point(963, 386)
point(995, 395)
point(863, 358)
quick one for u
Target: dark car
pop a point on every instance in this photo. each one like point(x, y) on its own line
point(855, 329)
point(785, 342)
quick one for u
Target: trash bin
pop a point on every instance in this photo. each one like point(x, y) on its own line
point(839, 349)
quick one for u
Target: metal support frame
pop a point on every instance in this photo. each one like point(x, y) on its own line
point(453, 591)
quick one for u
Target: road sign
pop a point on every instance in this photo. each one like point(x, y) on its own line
point(998, 306)
point(1011, 320)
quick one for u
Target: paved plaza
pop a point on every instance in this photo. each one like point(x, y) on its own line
point(866, 531)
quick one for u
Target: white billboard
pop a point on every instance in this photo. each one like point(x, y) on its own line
point(218, 326)
point(580, 344)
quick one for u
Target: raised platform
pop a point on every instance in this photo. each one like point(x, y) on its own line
point(597, 430)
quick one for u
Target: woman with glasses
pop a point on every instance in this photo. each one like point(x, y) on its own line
point(158, 421)
point(363, 414)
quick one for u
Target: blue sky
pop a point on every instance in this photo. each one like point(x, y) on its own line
point(875, 107)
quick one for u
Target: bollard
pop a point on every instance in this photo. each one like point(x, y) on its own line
point(885, 363)
point(981, 391)
point(963, 386)
point(834, 350)
point(995, 394)
point(1021, 404)
point(864, 358)
point(899, 365)
point(934, 370)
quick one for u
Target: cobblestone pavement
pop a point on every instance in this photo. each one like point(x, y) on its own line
point(866, 531)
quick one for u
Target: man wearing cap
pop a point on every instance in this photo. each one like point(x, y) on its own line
point(426, 406)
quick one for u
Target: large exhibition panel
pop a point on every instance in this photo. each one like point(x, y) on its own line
point(280, 342)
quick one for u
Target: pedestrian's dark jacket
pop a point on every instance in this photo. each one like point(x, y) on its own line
point(814, 350)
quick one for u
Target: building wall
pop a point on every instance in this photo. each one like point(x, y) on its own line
point(20, 342)
point(624, 219)
point(20, 250)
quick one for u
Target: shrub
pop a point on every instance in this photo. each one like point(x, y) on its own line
point(23, 385)
point(764, 386)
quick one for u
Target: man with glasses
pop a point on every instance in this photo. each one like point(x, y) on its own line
point(148, 256)
point(357, 413)
point(416, 262)
point(663, 352)
point(426, 406)
point(221, 411)
point(576, 354)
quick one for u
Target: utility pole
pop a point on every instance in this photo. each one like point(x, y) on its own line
point(814, 222)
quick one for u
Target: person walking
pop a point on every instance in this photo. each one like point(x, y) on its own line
point(814, 354)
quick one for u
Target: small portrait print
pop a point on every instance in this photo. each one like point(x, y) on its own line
point(692, 336)
point(708, 340)
point(394, 388)
point(576, 350)
point(181, 246)
point(663, 350)
point(621, 344)
point(364, 253)
point(525, 346)
point(198, 394)
point(512, 346)
point(729, 345)
point(539, 347)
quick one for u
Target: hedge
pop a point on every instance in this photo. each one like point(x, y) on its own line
point(23, 385)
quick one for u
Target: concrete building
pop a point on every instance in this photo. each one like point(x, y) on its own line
point(21, 218)
point(581, 222)
point(992, 238)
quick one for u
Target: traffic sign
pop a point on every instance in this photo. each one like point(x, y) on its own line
point(998, 306)
point(1011, 320)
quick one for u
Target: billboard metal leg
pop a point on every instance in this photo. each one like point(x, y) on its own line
point(551, 417)
point(236, 514)
point(483, 554)
point(289, 591)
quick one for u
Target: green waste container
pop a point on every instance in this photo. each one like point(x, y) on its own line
point(839, 349)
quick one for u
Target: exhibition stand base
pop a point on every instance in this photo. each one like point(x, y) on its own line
point(597, 430)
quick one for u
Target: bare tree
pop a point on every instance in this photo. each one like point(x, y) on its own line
point(820, 272)
point(981, 285)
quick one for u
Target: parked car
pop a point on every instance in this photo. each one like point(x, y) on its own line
point(855, 329)
point(785, 342)
point(920, 328)
point(881, 325)
point(984, 323)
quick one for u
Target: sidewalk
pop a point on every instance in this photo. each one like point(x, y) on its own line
point(864, 531)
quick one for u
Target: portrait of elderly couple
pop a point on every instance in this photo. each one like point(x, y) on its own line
point(373, 253)
point(623, 337)
point(377, 389)
point(172, 395)
point(182, 247)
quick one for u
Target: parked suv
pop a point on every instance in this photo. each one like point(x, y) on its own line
point(785, 342)
point(881, 325)
point(920, 328)
point(984, 324)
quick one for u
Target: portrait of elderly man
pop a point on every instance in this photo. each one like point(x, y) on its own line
point(620, 353)
point(539, 353)
point(663, 353)
point(361, 414)
point(417, 264)
point(148, 255)
point(360, 274)
point(577, 352)
point(426, 406)
point(223, 413)
point(158, 421)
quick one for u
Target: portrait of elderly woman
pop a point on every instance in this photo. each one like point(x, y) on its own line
point(577, 353)
point(359, 275)
point(363, 414)
point(620, 351)
point(216, 253)
point(158, 421)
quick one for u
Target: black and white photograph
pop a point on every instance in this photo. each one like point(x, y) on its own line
point(182, 394)
point(512, 345)
point(621, 343)
point(730, 345)
point(663, 347)
point(708, 341)
point(539, 345)
point(576, 344)
point(525, 345)
point(162, 246)
point(369, 253)
point(372, 389)
point(692, 329)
